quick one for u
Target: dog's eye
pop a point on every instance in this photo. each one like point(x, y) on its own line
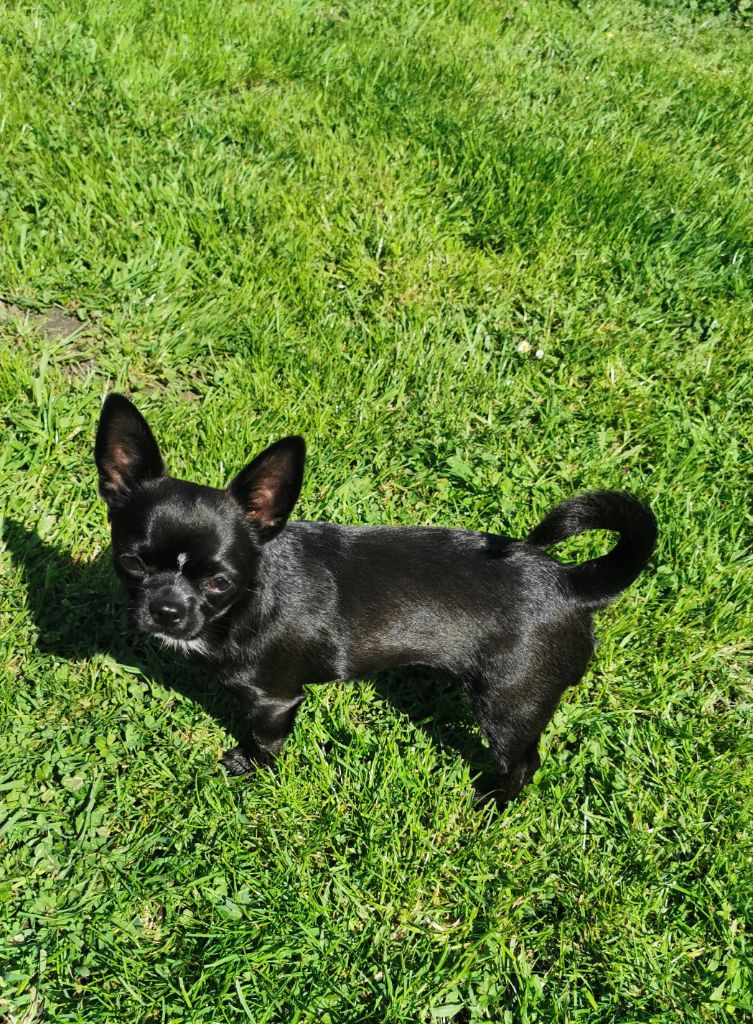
point(132, 563)
point(218, 584)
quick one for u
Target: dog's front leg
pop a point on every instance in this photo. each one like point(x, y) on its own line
point(269, 716)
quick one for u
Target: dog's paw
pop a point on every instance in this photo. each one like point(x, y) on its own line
point(510, 783)
point(237, 762)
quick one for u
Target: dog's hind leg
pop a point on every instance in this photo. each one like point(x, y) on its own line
point(515, 697)
point(513, 727)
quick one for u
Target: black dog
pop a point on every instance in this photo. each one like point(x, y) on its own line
point(274, 605)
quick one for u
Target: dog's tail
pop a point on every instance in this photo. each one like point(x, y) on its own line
point(600, 580)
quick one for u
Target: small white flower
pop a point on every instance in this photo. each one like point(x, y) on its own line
point(539, 353)
point(524, 347)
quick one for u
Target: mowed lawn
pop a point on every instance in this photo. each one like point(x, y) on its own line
point(483, 256)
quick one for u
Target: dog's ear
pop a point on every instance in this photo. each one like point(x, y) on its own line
point(125, 450)
point(268, 488)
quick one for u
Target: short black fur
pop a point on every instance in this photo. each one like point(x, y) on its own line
point(275, 605)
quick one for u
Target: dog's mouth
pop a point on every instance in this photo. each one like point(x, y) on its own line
point(174, 637)
point(194, 644)
point(185, 631)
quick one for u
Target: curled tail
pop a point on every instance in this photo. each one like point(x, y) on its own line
point(600, 580)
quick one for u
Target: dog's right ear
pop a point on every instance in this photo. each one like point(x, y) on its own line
point(125, 451)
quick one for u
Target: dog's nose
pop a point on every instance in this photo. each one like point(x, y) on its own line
point(166, 611)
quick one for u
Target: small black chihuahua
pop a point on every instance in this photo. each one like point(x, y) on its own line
point(274, 605)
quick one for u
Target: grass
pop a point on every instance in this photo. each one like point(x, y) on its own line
point(343, 221)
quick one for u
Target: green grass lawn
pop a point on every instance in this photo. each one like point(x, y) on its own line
point(345, 221)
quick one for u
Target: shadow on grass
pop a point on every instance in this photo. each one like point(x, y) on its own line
point(434, 703)
point(79, 612)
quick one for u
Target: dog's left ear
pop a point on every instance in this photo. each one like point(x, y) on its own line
point(125, 451)
point(268, 488)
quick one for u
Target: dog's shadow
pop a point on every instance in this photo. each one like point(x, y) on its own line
point(78, 610)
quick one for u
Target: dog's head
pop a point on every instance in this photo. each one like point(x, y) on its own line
point(187, 553)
